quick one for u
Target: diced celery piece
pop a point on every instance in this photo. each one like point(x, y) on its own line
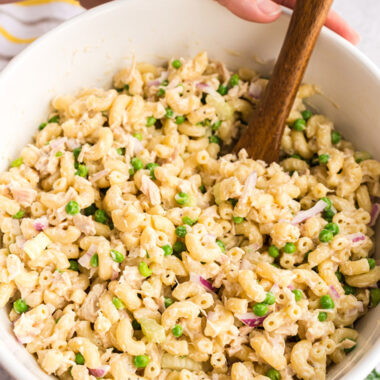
point(153, 331)
point(34, 247)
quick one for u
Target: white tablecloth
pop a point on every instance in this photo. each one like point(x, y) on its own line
point(363, 16)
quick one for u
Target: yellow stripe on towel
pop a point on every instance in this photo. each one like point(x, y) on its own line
point(27, 3)
point(15, 39)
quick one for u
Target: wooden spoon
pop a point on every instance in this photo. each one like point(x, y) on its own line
point(262, 137)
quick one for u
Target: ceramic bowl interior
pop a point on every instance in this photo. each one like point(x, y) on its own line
point(89, 49)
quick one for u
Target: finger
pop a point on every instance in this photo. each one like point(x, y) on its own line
point(333, 22)
point(253, 10)
point(340, 26)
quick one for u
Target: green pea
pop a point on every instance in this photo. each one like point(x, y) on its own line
point(150, 121)
point(299, 125)
point(349, 289)
point(17, 162)
point(72, 208)
point(120, 151)
point(119, 304)
point(326, 302)
point(325, 236)
point(19, 214)
point(164, 83)
point(82, 171)
point(297, 156)
point(94, 261)
point(74, 265)
point(297, 294)
point(90, 210)
point(42, 126)
point(79, 359)
point(273, 374)
point(168, 301)
point(182, 198)
point(181, 231)
point(117, 256)
point(328, 214)
point(179, 247)
point(333, 227)
point(233, 201)
point(335, 137)
point(322, 316)
point(20, 306)
point(137, 163)
point(214, 139)
point(177, 331)
point(187, 220)
point(234, 80)
point(169, 113)
point(289, 248)
point(168, 250)
point(202, 188)
point(371, 263)
point(59, 154)
point(76, 153)
point(270, 298)
point(176, 64)
point(260, 309)
point(273, 251)
point(339, 276)
point(138, 136)
point(221, 245)
point(328, 201)
point(222, 89)
point(238, 219)
point(216, 125)
point(323, 159)
point(306, 115)
point(54, 119)
point(151, 167)
point(374, 296)
point(144, 269)
point(101, 216)
point(136, 325)
point(131, 172)
point(161, 92)
point(179, 119)
point(362, 156)
point(141, 361)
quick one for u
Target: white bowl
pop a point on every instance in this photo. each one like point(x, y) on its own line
point(89, 49)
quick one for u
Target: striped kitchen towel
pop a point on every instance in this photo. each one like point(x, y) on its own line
point(22, 22)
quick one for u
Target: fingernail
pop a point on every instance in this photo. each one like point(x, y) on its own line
point(268, 7)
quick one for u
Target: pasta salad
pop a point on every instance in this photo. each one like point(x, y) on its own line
point(134, 246)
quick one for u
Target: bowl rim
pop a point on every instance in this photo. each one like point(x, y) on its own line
point(7, 358)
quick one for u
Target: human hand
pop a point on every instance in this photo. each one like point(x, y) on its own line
point(268, 11)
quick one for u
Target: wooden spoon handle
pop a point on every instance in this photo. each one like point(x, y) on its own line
point(262, 137)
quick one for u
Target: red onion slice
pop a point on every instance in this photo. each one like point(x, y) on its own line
point(356, 238)
point(99, 372)
point(41, 223)
point(374, 214)
point(306, 214)
point(201, 281)
point(333, 292)
point(251, 319)
point(255, 90)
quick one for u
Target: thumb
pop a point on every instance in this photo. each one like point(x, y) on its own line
point(253, 10)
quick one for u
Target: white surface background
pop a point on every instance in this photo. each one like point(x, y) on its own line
point(363, 15)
